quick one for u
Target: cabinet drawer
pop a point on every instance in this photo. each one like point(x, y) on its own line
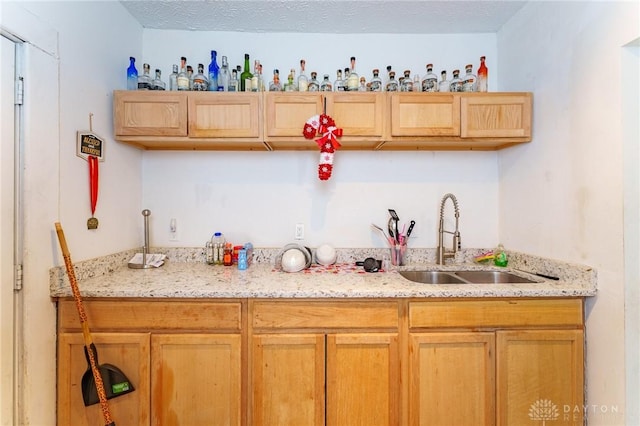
point(496, 313)
point(310, 314)
point(125, 315)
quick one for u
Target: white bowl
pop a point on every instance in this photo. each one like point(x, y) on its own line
point(293, 260)
point(326, 255)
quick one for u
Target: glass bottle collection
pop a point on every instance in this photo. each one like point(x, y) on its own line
point(238, 79)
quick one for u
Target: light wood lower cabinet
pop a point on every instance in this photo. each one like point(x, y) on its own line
point(253, 362)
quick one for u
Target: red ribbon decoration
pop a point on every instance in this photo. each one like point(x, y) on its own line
point(329, 134)
point(93, 182)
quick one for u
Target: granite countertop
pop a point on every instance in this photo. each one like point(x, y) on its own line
point(186, 275)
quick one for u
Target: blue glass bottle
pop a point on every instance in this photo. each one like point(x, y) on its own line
point(213, 72)
point(132, 74)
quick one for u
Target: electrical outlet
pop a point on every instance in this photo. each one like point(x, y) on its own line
point(299, 231)
point(173, 230)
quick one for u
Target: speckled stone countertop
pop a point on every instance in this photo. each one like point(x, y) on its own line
point(186, 275)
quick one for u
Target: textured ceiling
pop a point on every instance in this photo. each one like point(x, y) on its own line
point(325, 16)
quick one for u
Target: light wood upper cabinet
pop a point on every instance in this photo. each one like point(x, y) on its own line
point(275, 120)
point(361, 116)
point(148, 113)
point(420, 115)
point(500, 115)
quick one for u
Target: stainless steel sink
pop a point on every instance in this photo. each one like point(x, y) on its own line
point(465, 277)
point(432, 277)
point(492, 277)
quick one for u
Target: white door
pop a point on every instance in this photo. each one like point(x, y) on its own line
point(7, 230)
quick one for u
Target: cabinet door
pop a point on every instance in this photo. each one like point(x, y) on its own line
point(196, 379)
point(127, 351)
point(538, 374)
point(420, 115)
point(149, 113)
point(288, 380)
point(452, 379)
point(225, 115)
point(504, 115)
point(361, 116)
point(285, 117)
point(363, 379)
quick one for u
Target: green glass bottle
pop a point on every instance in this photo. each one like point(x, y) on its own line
point(246, 75)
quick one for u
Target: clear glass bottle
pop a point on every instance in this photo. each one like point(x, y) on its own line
point(407, 83)
point(275, 85)
point(224, 76)
point(456, 82)
point(234, 83)
point(183, 79)
point(353, 80)
point(363, 85)
point(255, 78)
point(303, 81)
point(157, 83)
point(200, 82)
point(444, 85)
point(417, 85)
point(392, 84)
point(214, 72)
point(173, 78)
point(338, 85)
point(144, 80)
point(246, 75)
point(314, 84)
point(483, 76)
point(132, 74)
point(345, 79)
point(190, 75)
point(376, 82)
point(470, 81)
point(386, 79)
point(430, 80)
point(326, 85)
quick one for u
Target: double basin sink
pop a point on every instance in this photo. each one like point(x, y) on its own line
point(465, 277)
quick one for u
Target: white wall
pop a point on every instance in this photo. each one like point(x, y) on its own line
point(261, 196)
point(75, 57)
point(567, 186)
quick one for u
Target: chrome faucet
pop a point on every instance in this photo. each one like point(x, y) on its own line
point(442, 253)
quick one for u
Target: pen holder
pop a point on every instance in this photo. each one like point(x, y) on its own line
point(397, 254)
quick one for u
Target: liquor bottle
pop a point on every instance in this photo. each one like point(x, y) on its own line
point(255, 83)
point(200, 82)
point(345, 79)
point(190, 75)
point(483, 76)
point(353, 81)
point(224, 76)
point(290, 85)
point(303, 81)
point(363, 85)
point(444, 85)
point(407, 83)
point(275, 85)
point(260, 79)
point(214, 71)
point(245, 75)
point(392, 85)
point(470, 81)
point(132, 74)
point(386, 79)
point(430, 81)
point(157, 83)
point(144, 80)
point(376, 82)
point(234, 83)
point(417, 86)
point(338, 85)
point(173, 78)
point(314, 84)
point(183, 79)
point(326, 85)
point(456, 82)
